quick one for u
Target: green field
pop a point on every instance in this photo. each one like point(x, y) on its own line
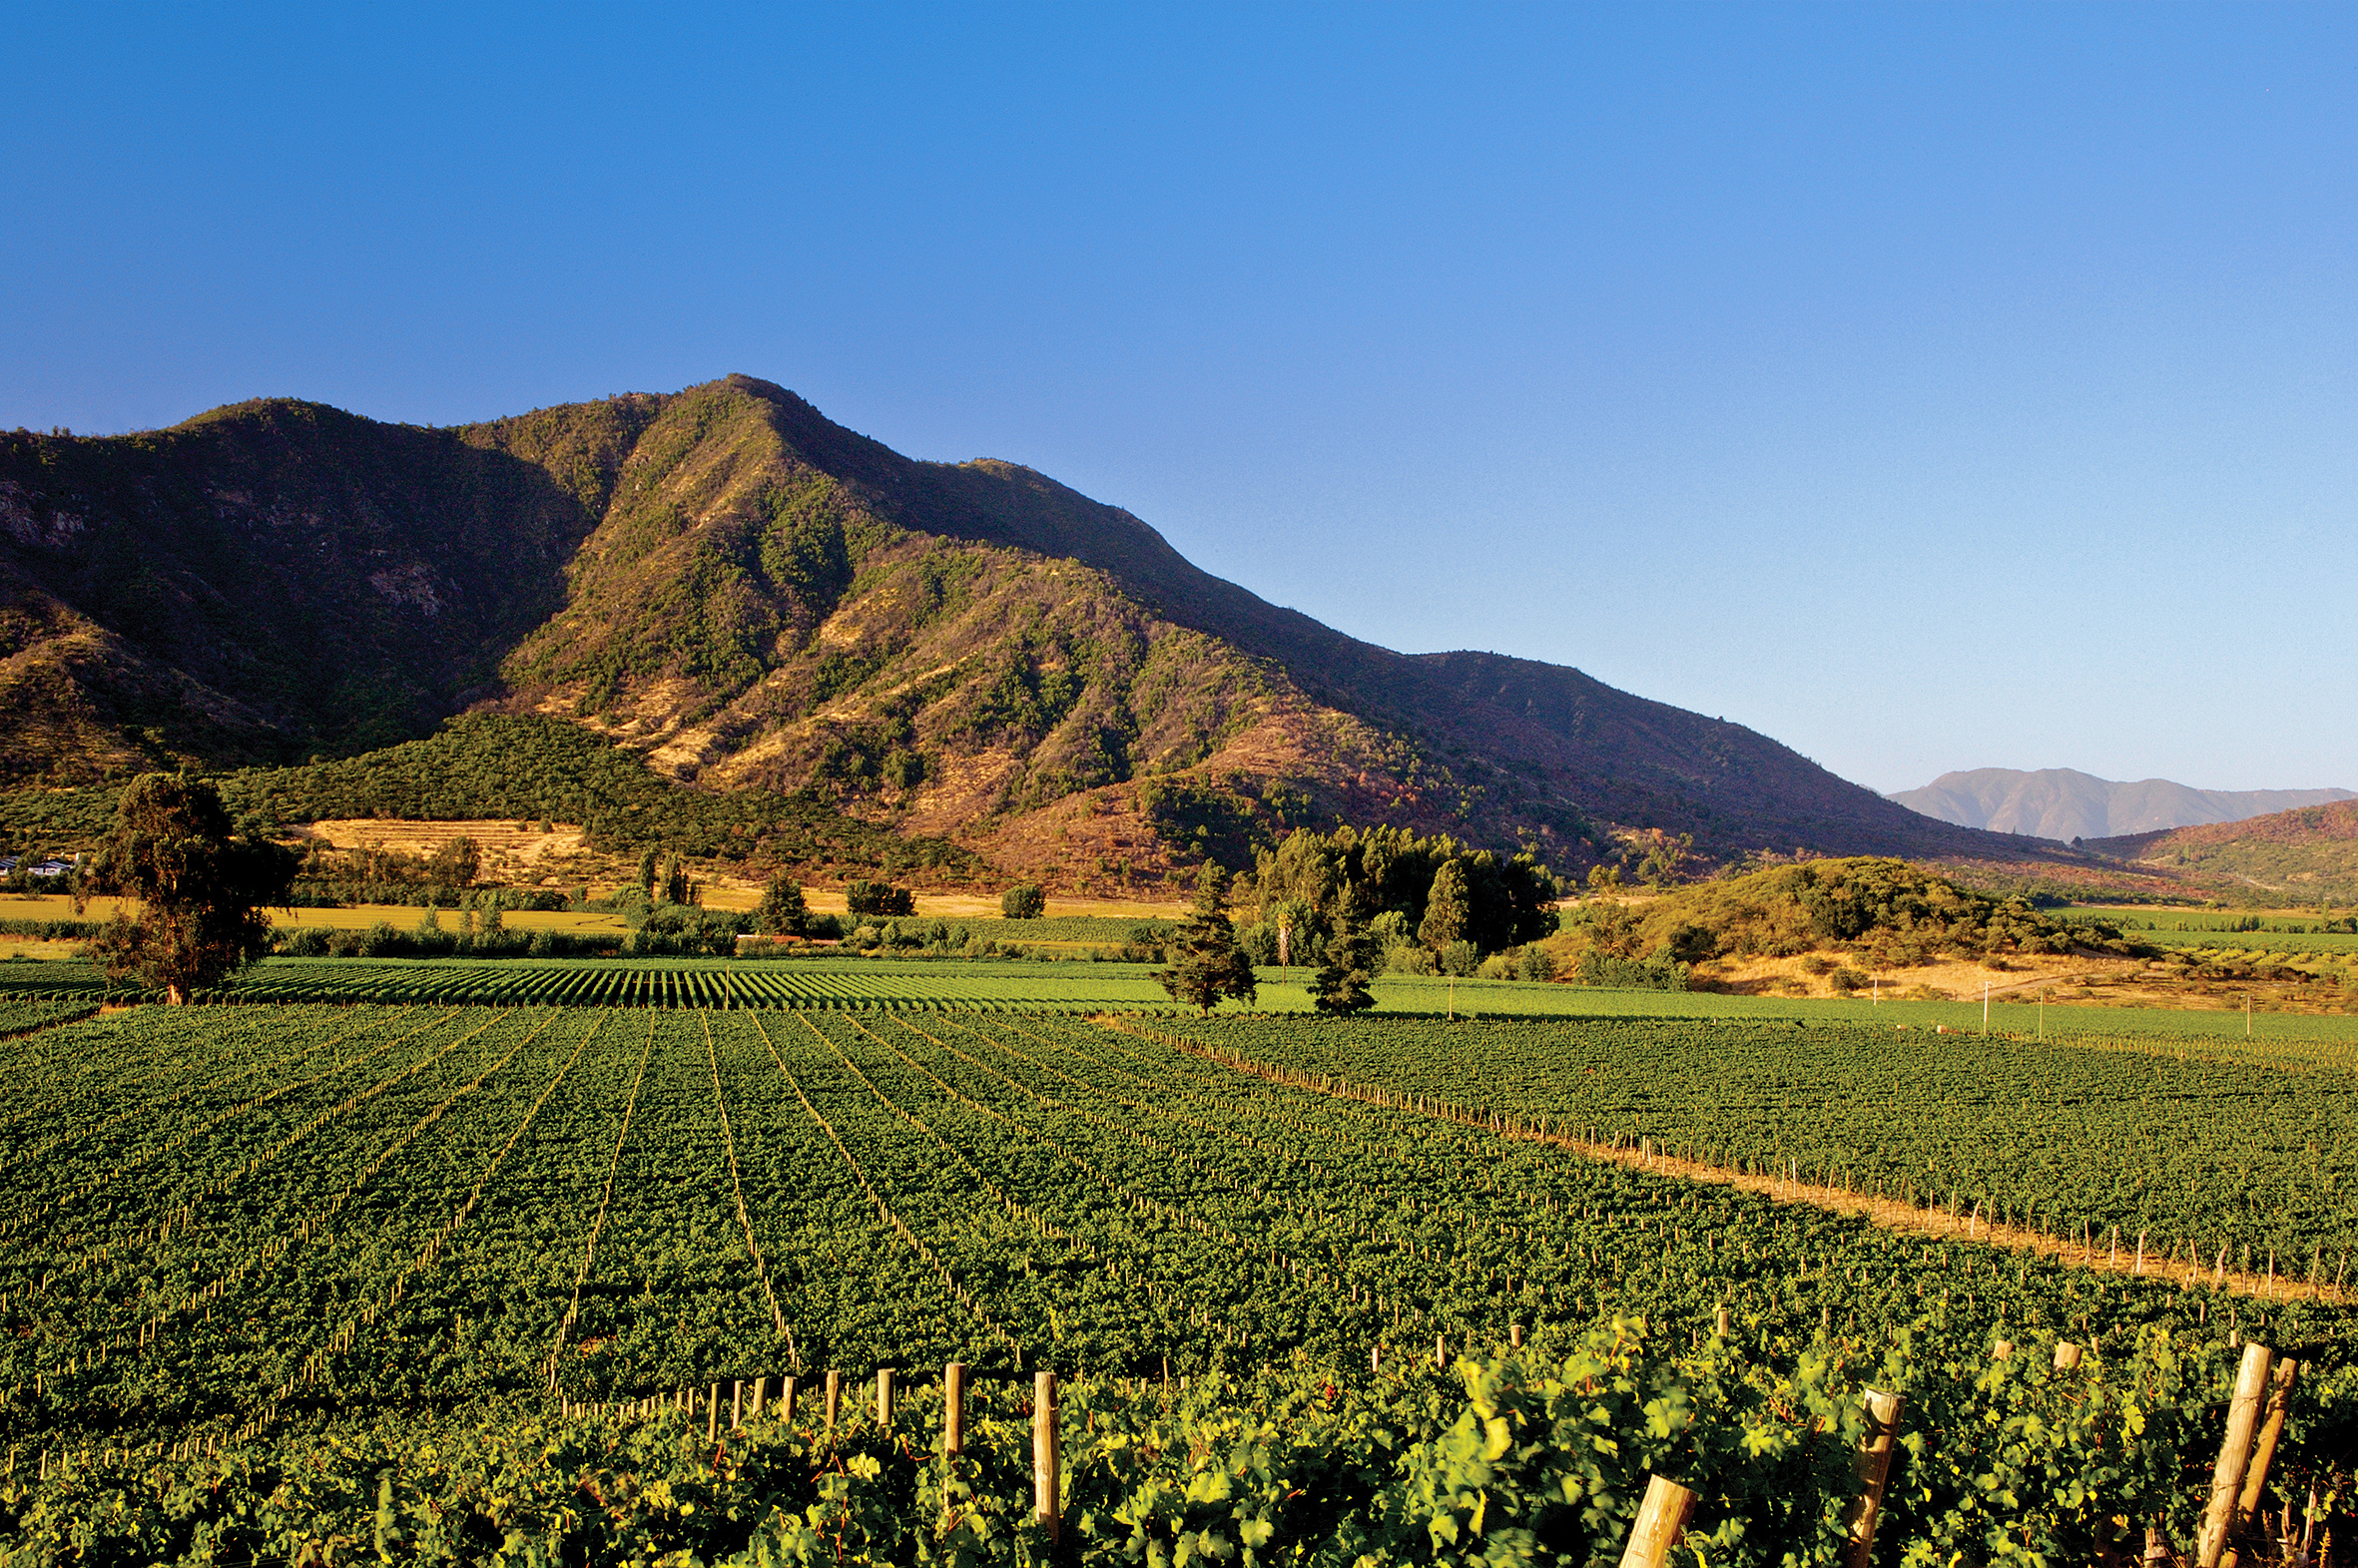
point(1084, 987)
point(412, 1237)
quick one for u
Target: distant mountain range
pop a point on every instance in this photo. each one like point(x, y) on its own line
point(745, 595)
point(2064, 805)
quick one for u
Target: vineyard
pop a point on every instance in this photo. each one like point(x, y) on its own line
point(397, 1272)
point(2168, 1150)
point(871, 983)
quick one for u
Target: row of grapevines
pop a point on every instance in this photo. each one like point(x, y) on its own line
point(2193, 1150)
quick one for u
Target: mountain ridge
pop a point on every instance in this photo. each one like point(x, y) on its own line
point(2065, 805)
point(746, 594)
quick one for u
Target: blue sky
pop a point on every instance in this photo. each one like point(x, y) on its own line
point(1929, 387)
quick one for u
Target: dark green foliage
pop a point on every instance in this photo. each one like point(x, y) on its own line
point(1448, 908)
point(1023, 902)
point(455, 863)
point(1492, 901)
point(782, 911)
point(1206, 966)
point(490, 767)
point(200, 887)
point(1340, 987)
point(865, 897)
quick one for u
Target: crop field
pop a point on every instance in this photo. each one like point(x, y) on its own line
point(2190, 1147)
point(847, 982)
point(228, 1227)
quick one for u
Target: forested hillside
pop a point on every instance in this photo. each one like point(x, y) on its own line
point(749, 597)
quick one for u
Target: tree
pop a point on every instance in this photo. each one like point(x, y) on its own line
point(1447, 907)
point(1207, 964)
point(201, 887)
point(456, 863)
point(676, 890)
point(782, 911)
point(1023, 902)
point(1339, 988)
point(863, 897)
point(647, 873)
point(1667, 859)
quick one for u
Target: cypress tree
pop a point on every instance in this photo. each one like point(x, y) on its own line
point(1206, 962)
point(1340, 987)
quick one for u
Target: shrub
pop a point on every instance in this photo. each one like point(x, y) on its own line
point(1410, 959)
point(1845, 978)
point(1536, 963)
point(1023, 902)
point(1460, 958)
point(309, 941)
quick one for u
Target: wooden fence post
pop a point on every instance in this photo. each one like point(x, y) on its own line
point(2066, 1355)
point(737, 1404)
point(1044, 1490)
point(835, 1400)
point(712, 1415)
point(2255, 1482)
point(883, 1398)
point(2226, 1480)
point(1875, 1468)
point(953, 1408)
point(786, 1403)
point(760, 1396)
point(1661, 1520)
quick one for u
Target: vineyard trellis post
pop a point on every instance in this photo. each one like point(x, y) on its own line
point(1661, 1520)
point(2263, 1453)
point(1044, 1480)
point(954, 1409)
point(883, 1398)
point(1875, 1464)
point(835, 1400)
point(2226, 1481)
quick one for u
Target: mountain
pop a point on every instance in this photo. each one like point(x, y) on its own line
point(2059, 803)
point(747, 595)
point(2307, 853)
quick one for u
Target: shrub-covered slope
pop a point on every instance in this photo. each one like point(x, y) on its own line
point(2297, 856)
point(746, 593)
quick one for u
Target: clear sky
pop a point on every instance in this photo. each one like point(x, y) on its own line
point(1929, 387)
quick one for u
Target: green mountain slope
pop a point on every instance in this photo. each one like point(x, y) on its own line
point(750, 597)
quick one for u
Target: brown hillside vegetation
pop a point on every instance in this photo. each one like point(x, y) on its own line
point(746, 594)
point(2304, 855)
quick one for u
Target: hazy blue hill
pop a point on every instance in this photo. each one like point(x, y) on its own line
point(2063, 805)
